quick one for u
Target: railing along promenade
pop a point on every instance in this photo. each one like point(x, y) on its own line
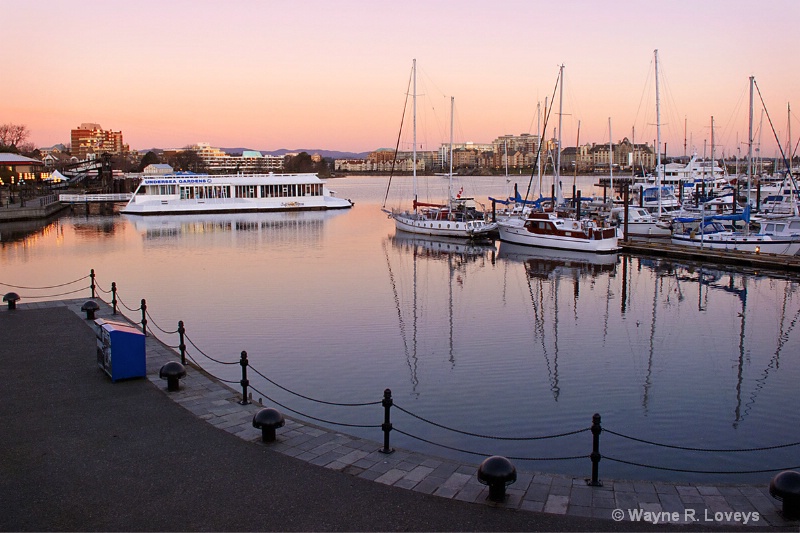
point(83, 198)
point(378, 414)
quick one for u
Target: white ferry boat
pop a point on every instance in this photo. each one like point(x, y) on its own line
point(175, 194)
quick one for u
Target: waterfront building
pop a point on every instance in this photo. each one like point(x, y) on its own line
point(15, 167)
point(626, 155)
point(216, 160)
point(89, 140)
point(157, 169)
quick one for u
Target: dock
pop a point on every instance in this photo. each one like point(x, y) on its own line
point(663, 248)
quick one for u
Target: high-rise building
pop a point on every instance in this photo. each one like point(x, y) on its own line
point(89, 140)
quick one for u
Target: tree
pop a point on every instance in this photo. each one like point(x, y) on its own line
point(188, 160)
point(13, 137)
point(302, 162)
point(150, 158)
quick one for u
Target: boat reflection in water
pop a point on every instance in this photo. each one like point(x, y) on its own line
point(423, 261)
point(285, 225)
point(547, 262)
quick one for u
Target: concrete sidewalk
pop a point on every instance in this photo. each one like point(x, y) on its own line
point(82, 453)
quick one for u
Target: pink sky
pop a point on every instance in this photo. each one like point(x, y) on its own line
point(332, 74)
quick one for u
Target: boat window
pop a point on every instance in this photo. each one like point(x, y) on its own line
point(245, 191)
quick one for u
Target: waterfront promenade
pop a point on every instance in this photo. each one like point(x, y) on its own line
point(82, 453)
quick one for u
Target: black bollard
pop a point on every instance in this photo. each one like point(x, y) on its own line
point(785, 487)
point(91, 285)
point(268, 420)
point(12, 298)
point(90, 308)
point(244, 381)
point(172, 372)
point(497, 472)
point(387, 424)
point(113, 297)
point(595, 455)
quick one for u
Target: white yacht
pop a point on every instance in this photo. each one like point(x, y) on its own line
point(175, 194)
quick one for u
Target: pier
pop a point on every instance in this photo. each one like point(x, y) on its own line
point(663, 248)
point(86, 443)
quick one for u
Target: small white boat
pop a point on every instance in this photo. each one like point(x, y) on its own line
point(548, 230)
point(710, 233)
point(176, 194)
point(641, 223)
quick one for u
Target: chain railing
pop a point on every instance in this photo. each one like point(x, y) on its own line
point(387, 402)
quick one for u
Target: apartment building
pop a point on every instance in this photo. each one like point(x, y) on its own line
point(216, 160)
point(90, 140)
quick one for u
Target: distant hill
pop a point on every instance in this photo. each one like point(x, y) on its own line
point(333, 154)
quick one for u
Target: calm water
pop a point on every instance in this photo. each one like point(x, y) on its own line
point(494, 340)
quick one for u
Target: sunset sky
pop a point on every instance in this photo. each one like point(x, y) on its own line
point(333, 74)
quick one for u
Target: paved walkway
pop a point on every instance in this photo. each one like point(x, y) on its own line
point(345, 483)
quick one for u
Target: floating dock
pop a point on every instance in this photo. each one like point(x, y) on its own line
point(781, 263)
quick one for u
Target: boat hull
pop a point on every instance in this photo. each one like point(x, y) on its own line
point(181, 194)
point(230, 205)
point(764, 244)
point(471, 229)
point(515, 232)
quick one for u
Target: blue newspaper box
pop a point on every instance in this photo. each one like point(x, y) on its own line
point(120, 349)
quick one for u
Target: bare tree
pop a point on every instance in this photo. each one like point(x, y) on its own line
point(13, 135)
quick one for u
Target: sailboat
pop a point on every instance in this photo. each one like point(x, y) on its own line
point(457, 217)
point(647, 219)
point(556, 230)
point(707, 232)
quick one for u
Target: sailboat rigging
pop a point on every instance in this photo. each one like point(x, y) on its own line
point(457, 217)
point(553, 229)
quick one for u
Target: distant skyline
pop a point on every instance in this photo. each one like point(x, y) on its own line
point(333, 75)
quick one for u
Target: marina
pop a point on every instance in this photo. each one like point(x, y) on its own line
point(340, 305)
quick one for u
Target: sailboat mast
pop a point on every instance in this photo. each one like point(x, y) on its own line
point(577, 149)
point(450, 181)
point(633, 158)
point(750, 143)
point(789, 138)
point(611, 161)
point(414, 137)
point(713, 161)
point(659, 166)
point(539, 134)
point(557, 173)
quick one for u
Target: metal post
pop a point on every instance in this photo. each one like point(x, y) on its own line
point(626, 195)
point(182, 345)
point(387, 424)
point(144, 317)
point(91, 275)
point(244, 381)
point(114, 297)
point(595, 456)
point(577, 204)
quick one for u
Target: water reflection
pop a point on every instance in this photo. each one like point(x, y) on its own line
point(28, 230)
point(456, 255)
point(287, 225)
point(339, 306)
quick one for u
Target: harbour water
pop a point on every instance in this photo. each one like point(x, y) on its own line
point(491, 340)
